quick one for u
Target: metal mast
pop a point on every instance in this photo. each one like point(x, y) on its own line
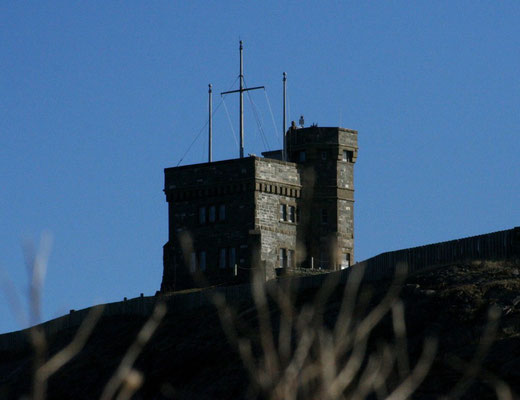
point(241, 92)
point(284, 152)
point(241, 101)
point(210, 122)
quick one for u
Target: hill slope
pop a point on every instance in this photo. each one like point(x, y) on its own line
point(190, 357)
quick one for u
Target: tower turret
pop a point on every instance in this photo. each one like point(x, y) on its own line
point(326, 157)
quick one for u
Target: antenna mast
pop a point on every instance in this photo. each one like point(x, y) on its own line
point(241, 91)
point(284, 151)
point(210, 122)
point(241, 101)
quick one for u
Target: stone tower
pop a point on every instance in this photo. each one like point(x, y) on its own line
point(327, 157)
point(228, 217)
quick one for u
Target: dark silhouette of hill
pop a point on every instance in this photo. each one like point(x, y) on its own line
point(190, 357)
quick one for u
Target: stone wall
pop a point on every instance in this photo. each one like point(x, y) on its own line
point(276, 171)
point(328, 191)
point(191, 190)
point(278, 183)
point(274, 234)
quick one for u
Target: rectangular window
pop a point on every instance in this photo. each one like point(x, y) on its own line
point(324, 216)
point(222, 258)
point(212, 213)
point(302, 156)
point(202, 260)
point(323, 155)
point(283, 212)
point(345, 262)
point(283, 258)
point(202, 215)
point(222, 212)
point(232, 257)
point(290, 258)
point(348, 155)
point(193, 262)
point(292, 213)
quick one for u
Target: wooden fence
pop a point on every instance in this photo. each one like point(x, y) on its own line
point(502, 245)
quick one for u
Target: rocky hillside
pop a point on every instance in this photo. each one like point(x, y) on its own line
point(190, 356)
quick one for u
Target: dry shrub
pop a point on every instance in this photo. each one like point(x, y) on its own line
point(302, 357)
point(125, 380)
point(297, 355)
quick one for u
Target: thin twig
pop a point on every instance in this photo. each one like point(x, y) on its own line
point(124, 370)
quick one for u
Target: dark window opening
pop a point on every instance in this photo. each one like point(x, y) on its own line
point(212, 213)
point(202, 260)
point(232, 257)
point(324, 216)
point(193, 262)
point(290, 258)
point(222, 257)
point(348, 155)
point(345, 261)
point(222, 212)
point(283, 212)
point(202, 215)
point(283, 258)
point(286, 258)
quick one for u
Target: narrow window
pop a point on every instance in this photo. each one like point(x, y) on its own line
point(202, 215)
point(212, 213)
point(302, 156)
point(193, 262)
point(323, 155)
point(222, 212)
point(324, 216)
point(283, 212)
point(290, 258)
point(283, 258)
point(232, 257)
point(202, 260)
point(292, 213)
point(222, 258)
point(347, 155)
point(345, 262)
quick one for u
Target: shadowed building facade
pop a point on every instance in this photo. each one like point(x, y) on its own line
point(228, 217)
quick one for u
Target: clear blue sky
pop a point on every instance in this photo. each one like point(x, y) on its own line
point(96, 98)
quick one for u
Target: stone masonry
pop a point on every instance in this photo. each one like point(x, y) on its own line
point(228, 217)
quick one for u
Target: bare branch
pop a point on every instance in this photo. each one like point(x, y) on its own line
point(124, 370)
point(412, 382)
point(73, 348)
point(474, 367)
